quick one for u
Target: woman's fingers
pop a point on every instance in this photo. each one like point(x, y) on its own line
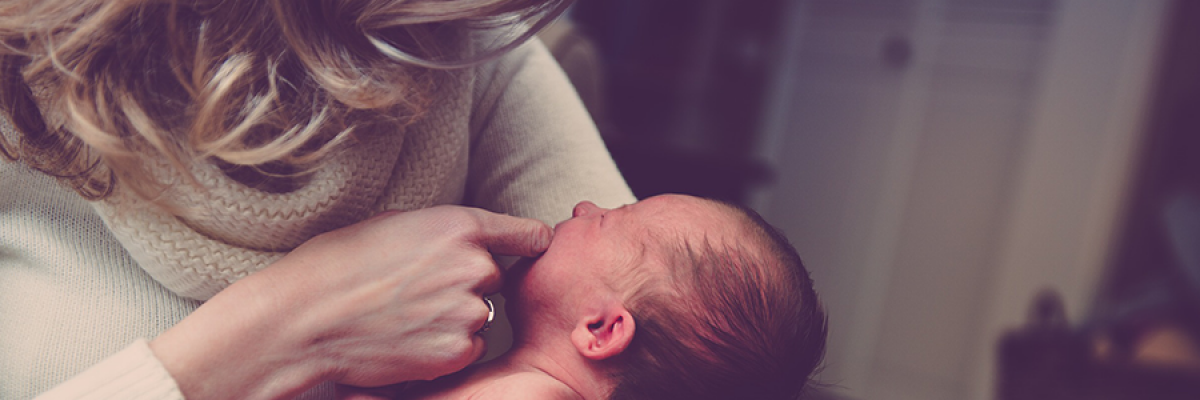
point(511, 236)
point(394, 298)
point(491, 281)
point(479, 346)
point(493, 234)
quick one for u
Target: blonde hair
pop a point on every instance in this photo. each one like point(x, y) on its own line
point(273, 85)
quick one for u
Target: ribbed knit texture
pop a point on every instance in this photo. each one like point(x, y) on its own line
point(132, 374)
point(508, 136)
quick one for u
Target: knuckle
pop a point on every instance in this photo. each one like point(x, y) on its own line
point(458, 353)
point(467, 273)
point(466, 351)
point(484, 274)
point(470, 222)
point(484, 266)
point(463, 346)
point(465, 314)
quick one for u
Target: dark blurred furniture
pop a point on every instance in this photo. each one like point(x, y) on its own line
point(1152, 256)
point(1050, 360)
point(1153, 284)
point(685, 82)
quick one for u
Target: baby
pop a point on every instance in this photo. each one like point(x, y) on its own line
point(673, 297)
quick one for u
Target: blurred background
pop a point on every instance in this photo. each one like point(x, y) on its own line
point(996, 198)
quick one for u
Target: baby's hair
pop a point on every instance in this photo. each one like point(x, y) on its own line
point(94, 86)
point(740, 320)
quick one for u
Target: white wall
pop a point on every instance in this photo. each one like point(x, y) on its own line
point(931, 199)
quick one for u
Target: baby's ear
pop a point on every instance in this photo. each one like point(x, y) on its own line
point(603, 333)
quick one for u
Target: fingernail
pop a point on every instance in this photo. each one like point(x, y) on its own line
point(543, 240)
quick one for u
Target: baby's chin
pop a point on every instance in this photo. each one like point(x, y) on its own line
point(514, 286)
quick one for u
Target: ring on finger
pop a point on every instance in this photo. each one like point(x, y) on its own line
point(491, 316)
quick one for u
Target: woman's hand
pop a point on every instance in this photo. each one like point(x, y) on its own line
point(390, 299)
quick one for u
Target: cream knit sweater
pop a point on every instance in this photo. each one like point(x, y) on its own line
point(81, 281)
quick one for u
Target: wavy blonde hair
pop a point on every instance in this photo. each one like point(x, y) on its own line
point(94, 85)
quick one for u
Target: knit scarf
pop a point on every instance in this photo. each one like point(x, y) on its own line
point(238, 230)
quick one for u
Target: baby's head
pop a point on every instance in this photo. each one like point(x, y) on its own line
point(678, 297)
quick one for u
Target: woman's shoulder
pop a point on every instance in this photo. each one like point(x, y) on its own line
point(498, 64)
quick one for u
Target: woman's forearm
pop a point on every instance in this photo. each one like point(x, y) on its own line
point(238, 345)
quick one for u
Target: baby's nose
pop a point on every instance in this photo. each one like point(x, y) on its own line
point(584, 208)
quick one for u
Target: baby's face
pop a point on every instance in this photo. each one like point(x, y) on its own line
point(601, 250)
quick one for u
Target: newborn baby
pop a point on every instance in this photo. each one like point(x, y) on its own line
point(671, 297)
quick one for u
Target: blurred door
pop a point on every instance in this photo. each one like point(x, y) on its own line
point(937, 160)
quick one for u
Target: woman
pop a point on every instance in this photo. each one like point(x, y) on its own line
point(212, 139)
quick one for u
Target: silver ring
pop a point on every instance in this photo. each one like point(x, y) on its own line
point(491, 316)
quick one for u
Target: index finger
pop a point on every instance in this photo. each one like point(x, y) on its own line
point(512, 236)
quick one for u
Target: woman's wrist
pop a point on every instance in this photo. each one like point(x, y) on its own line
point(238, 345)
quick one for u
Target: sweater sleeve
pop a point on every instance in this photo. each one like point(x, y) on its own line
point(131, 374)
point(535, 151)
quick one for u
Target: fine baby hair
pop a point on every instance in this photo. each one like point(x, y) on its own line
point(735, 320)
